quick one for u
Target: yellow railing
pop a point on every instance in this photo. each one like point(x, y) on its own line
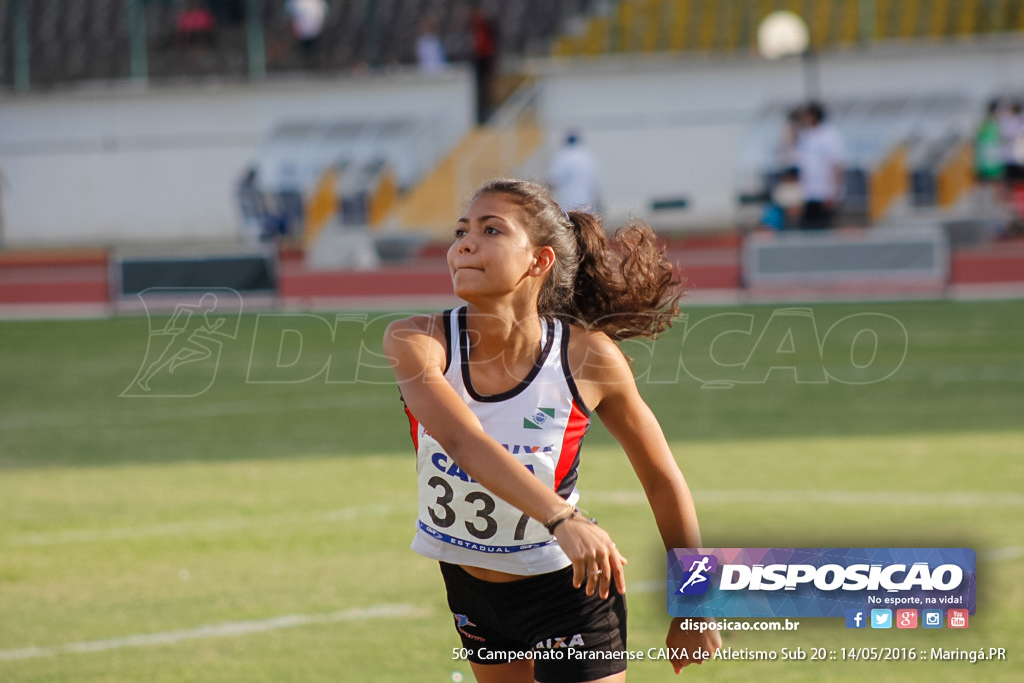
point(955, 176)
point(321, 207)
point(383, 198)
point(497, 150)
point(887, 183)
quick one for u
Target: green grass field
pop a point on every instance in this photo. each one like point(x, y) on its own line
point(251, 521)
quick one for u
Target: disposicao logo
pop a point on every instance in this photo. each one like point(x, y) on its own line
point(696, 581)
point(817, 582)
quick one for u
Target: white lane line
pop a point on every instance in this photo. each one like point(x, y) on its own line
point(651, 586)
point(195, 527)
point(1002, 554)
point(231, 628)
point(915, 498)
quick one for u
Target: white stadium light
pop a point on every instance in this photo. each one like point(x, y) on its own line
point(782, 34)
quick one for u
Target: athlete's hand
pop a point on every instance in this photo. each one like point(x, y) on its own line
point(596, 561)
point(697, 646)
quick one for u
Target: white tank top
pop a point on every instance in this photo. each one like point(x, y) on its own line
point(541, 422)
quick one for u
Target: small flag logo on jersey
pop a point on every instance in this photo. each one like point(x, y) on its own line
point(537, 420)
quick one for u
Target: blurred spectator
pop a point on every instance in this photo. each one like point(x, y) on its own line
point(307, 23)
point(787, 157)
point(1011, 132)
point(429, 51)
point(255, 224)
point(484, 33)
point(988, 163)
point(1011, 141)
point(819, 151)
point(195, 24)
point(573, 176)
point(785, 203)
point(227, 12)
point(3, 229)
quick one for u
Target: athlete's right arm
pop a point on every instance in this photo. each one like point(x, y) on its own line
point(415, 349)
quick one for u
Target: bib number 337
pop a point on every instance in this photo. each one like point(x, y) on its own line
point(475, 511)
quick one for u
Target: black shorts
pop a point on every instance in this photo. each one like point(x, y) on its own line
point(543, 619)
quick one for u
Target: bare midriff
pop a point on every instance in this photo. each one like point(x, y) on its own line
point(491, 575)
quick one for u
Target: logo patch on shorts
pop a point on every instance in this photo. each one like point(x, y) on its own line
point(462, 622)
point(558, 642)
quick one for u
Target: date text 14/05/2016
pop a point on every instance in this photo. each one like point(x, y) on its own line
point(740, 654)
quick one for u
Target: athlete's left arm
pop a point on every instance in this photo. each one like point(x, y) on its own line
point(608, 385)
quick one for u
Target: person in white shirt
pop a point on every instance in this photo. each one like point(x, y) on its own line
point(307, 22)
point(819, 152)
point(1010, 122)
point(429, 50)
point(573, 176)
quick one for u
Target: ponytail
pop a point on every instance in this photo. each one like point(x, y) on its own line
point(625, 287)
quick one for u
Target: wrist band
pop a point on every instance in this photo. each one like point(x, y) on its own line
point(559, 517)
point(551, 529)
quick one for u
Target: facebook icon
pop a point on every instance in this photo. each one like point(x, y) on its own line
point(856, 618)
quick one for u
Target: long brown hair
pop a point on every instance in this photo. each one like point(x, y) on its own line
point(625, 287)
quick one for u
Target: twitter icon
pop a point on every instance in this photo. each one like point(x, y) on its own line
point(881, 618)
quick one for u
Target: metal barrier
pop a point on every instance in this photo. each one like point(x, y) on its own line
point(910, 256)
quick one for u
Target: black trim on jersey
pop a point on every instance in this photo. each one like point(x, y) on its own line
point(567, 371)
point(568, 483)
point(514, 391)
point(447, 317)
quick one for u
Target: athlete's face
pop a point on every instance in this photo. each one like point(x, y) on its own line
point(492, 254)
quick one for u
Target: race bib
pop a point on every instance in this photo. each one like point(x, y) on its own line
point(455, 509)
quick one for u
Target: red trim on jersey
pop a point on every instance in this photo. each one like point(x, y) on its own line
point(571, 438)
point(414, 431)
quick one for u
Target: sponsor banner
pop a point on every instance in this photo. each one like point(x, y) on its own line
point(817, 582)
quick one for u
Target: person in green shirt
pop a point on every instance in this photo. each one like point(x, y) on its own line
point(988, 165)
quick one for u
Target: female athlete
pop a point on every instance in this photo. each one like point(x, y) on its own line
point(499, 394)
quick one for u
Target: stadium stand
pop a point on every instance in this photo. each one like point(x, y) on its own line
point(368, 176)
point(316, 173)
point(502, 148)
point(90, 39)
point(706, 26)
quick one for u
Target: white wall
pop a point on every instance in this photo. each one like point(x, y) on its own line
point(107, 165)
point(664, 126)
